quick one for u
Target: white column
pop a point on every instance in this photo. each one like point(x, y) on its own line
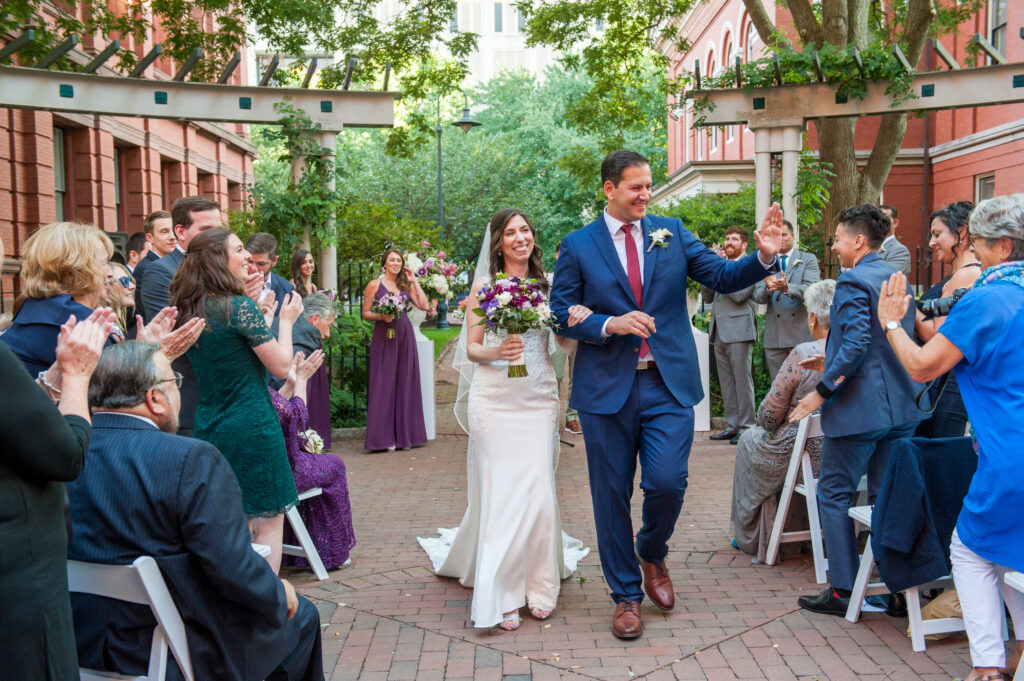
point(790, 165)
point(298, 166)
point(328, 139)
point(762, 173)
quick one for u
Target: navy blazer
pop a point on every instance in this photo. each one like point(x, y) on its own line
point(281, 288)
point(305, 337)
point(145, 492)
point(917, 508)
point(871, 388)
point(140, 269)
point(588, 272)
point(33, 335)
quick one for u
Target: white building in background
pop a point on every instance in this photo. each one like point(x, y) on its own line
point(501, 45)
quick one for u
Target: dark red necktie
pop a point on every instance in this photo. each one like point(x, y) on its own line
point(633, 272)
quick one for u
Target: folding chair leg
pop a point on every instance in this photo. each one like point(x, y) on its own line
point(860, 584)
point(914, 615)
point(306, 542)
point(814, 520)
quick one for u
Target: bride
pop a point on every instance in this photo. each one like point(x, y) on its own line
point(510, 548)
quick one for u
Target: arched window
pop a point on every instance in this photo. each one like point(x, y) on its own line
point(753, 43)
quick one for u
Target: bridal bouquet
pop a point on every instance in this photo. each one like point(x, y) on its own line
point(435, 272)
point(514, 306)
point(390, 305)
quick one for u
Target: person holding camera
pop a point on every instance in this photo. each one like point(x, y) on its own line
point(980, 340)
point(950, 245)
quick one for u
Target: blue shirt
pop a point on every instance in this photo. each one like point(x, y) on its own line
point(987, 326)
point(33, 335)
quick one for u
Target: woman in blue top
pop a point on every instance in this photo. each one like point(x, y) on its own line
point(64, 273)
point(981, 340)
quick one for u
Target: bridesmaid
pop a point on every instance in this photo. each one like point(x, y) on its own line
point(302, 272)
point(394, 407)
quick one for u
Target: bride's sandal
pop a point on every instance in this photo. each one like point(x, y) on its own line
point(988, 677)
point(540, 613)
point(510, 621)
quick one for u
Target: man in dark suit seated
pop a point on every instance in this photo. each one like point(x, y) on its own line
point(262, 248)
point(150, 492)
point(867, 399)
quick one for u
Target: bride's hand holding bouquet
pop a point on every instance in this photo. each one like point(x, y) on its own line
point(512, 306)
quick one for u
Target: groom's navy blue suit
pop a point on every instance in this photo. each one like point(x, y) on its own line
point(625, 411)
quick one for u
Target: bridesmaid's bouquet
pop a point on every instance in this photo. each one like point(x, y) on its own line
point(311, 441)
point(390, 305)
point(514, 306)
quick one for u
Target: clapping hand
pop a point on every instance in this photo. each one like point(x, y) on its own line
point(893, 300)
point(769, 238)
point(173, 342)
point(291, 308)
point(268, 306)
point(305, 367)
point(80, 344)
point(254, 282)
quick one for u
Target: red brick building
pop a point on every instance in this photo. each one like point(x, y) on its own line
point(946, 156)
point(111, 171)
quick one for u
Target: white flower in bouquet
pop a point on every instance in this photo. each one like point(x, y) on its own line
point(504, 298)
point(543, 312)
point(439, 284)
point(311, 441)
point(413, 262)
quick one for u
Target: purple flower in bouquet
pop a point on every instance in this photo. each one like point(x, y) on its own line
point(390, 305)
point(514, 306)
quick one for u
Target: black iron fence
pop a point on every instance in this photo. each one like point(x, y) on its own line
point(348, 351)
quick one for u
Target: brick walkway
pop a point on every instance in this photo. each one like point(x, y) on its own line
point(388, 618)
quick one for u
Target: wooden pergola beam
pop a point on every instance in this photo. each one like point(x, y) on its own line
point(30, 88)
point(793, 104)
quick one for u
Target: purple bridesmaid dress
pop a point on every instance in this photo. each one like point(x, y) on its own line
point(394, 406)
point(318, 391)
point(328, 517)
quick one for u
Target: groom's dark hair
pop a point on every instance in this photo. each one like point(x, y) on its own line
point(616, 162)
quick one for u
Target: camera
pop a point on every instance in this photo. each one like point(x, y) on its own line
point(940, 307)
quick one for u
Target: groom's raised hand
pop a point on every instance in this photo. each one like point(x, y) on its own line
point(769, 237)
point(636, 323)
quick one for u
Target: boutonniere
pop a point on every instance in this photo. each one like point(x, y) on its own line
point(795, 263)
point(659, 238)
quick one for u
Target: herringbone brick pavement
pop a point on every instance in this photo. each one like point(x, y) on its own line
point(388, 618)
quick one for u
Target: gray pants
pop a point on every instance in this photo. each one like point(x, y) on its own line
point(775, 357)
point(733, 361)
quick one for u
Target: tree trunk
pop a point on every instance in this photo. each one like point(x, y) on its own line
point(835, 145)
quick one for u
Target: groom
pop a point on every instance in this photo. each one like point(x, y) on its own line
point(636, 378)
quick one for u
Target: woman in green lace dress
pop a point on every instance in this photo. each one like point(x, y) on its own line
point(230, 361)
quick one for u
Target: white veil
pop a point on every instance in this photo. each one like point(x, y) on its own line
point(460, 361)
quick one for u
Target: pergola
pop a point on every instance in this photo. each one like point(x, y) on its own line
point(777, 115)
point(37, 87)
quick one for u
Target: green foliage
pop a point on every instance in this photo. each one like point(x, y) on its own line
point(346, 352)
point(441, 337)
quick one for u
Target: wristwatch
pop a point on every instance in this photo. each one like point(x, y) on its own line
point(891, 326)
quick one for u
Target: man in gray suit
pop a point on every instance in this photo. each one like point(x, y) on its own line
point(785, 322)
point(733, 331)
point(892, 251)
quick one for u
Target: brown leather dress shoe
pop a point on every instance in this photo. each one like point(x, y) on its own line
point(627, 623)
point(657, 584)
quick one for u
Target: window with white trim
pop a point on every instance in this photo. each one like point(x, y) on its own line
point(60, 176)
point(997, 25)
point(984, 187)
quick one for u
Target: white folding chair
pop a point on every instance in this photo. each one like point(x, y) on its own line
point(1015, 580)
point(306, 548)
point(142, 583)
point(863, 586)
point(800, 460)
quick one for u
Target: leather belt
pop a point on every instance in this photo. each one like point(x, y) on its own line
point(646, 365)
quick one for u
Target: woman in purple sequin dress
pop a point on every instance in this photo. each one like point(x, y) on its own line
point(328, 517)
point(394, 405)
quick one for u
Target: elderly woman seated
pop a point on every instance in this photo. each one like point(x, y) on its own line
point(762, 457)
point(981, 341)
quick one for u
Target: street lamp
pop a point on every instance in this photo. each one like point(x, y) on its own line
point(466, 122)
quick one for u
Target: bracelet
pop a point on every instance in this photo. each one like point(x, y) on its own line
point(41, 379)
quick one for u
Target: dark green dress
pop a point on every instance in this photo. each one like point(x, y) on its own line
point(234, 412)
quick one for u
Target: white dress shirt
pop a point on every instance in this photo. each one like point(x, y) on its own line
point(619, 241)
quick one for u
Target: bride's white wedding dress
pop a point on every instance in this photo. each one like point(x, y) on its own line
point(510, 547)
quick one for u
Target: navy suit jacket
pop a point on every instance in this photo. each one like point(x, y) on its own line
point(589, 273)
point(156, 295)
point(305, 337)
point(33, 335)
point(145, 492)
point(140, 270)
point(872, 389)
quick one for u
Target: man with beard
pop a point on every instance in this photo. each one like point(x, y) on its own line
point(733, 331)
point(146, 491)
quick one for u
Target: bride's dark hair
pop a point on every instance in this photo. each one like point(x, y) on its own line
point(535, 267)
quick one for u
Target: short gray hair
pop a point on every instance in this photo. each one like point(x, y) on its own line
point(818, 299)
point(998, 217)
point(123, 375)
point(320, 304)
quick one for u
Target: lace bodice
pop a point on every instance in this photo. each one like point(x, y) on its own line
point(491, 380)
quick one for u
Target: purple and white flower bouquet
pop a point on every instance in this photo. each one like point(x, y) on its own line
point(390, 305)
point(513, 306)
point(434, 271)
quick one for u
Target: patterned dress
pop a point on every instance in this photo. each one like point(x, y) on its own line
point(328, 517)
point(234, 412)
point(762, 457)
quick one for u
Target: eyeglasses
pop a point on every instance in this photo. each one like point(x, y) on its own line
point(177, 380)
